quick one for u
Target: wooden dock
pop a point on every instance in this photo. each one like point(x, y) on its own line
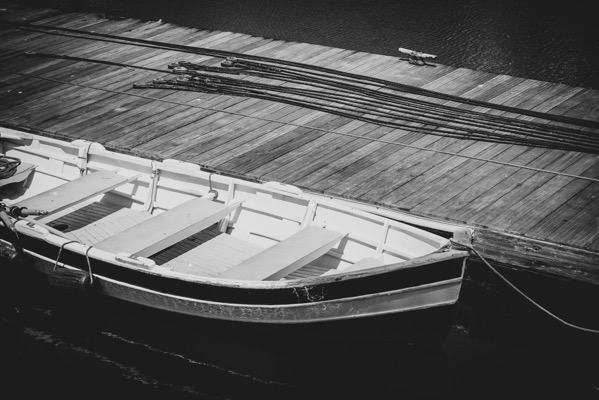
point(531, 207)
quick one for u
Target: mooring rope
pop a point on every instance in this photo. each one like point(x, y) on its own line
point(390, 142)
point(452, 123)
point(386, 114)
point(368, 105)
point(8, 166)
point(533, 302)
point(60, 251)
point(89, 265)
point(381, 83)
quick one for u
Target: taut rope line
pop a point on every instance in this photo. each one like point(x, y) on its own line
point(314, 128)
point(540, 307)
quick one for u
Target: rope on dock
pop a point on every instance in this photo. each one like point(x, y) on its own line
point(71, 32)
point(378, 106)
point(349, 100)
point(540, 307)
point(449, 153)
point(382, 108)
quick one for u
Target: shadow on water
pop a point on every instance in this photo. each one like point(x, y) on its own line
point(100, 348)
point(75, 348)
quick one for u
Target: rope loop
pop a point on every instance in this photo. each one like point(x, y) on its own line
point(8, 166)
point(540, 307)
point(213, 191)
point(60, 251)
point(89, 265)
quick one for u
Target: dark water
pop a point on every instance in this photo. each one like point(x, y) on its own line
point(70, 347)
point(500, 347)
point(554, 41)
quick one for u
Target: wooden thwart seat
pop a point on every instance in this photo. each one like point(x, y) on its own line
point(286, 256)
point(168, 228)
point(75, 191)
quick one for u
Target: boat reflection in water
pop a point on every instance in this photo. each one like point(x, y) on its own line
point(105, 348)
point(99, 349)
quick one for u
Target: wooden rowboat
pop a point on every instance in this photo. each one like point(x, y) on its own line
point(172, 236)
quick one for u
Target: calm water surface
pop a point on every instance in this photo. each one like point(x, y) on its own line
point(500, 347)
point(50, 344)
point(549, 41)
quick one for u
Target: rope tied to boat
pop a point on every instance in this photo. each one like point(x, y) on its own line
point(5, 219)
point(460, 245)
point(60, 251)
point(212, 191)
point(71, 279)
point(89, 265)
point(8, 166)
point(9, 224)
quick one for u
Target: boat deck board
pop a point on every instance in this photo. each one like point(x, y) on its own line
point(214, 256)
point(166, 229)
point(85, 215)
point(470, 182)
point(285, 256)
point(108, 226)
point(74, 192)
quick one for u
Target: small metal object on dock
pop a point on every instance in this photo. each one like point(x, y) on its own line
point(416, 57)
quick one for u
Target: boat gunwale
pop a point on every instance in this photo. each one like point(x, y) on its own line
point(314, 310)
point(108, 257)
point(445, 266)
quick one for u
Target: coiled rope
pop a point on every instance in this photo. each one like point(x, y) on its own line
point(537, 305)
point(8, 166)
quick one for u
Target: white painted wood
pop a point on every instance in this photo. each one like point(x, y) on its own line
point(213, 256)
point(168, 228)
point(75, 191)
point(286, 256)
point(365, 263)
point(108, 226)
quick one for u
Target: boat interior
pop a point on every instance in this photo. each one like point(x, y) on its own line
point(195, 222)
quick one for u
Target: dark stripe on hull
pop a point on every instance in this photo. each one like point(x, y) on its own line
point(398, 279)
